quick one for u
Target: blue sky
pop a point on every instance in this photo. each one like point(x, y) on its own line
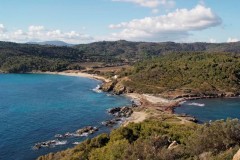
point(84, 21)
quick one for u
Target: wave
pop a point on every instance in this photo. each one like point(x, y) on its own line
point(196, 104)
point(58, 143)
point(84, 135)
point(182, 102)
point(76, 143)
point(97, 89)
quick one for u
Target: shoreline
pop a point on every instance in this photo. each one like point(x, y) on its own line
point(75, 74)
point(136, 116)
point(152, 101)
point(167, 106)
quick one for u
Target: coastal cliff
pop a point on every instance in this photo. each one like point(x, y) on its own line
point(116, 86)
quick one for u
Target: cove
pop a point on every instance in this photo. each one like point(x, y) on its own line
point(211, 109)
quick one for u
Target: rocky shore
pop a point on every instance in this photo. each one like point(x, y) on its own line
point(61, 139)
point(119, 115)
point(161, 102)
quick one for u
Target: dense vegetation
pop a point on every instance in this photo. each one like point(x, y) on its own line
point(135, 51)
point(190, 72)
point(150, 140)
point(27, 57)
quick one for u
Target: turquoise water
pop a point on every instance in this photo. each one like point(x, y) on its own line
point(35, 107)
point(211, 109)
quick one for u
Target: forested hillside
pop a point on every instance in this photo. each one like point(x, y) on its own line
point(16, 57)
point(191, 73)
point(134, 51)
point(27, 57)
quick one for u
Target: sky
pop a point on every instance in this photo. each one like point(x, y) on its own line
point(86, 21)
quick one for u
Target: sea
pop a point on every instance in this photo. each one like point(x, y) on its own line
point(36, 107)
point(206, 110)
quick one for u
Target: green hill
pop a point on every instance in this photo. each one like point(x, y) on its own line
point(189, 73)
point(135, 51)
point(16, 57)
point(28, 57)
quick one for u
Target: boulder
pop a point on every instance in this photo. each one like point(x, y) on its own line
point(88, 129)
point(173, 145)
point(126, 112)
point(109, 123)
point(192, 119)
point(107, 87)
point(114, 110)
point(188, 118)
point(230, 94)
point(205, 156)
point(119, 88)
point(237, 155)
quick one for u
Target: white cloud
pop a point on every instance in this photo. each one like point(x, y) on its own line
point(150, 3)
point(173, 26)
point(212, 40)
point(19, 32)
point(2, 29)
point(231, 40)
point(36, 28)
point(40, 33)
point(155, 11)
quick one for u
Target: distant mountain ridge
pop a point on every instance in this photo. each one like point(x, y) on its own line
point(52, 43)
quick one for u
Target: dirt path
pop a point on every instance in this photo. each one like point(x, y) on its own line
point(136, 117)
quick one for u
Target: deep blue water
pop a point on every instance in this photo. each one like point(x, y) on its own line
point(214, 109)
point(35, 107)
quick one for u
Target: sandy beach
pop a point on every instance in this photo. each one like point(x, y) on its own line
point(77, 74)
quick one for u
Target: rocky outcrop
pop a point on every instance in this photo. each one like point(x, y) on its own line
point(188, 118)
point(47, 144)
point(237, 156)
point(205, 156)
point(114, 110)
point(108, 86)
point(230, 94)
point(119, 88)
point(87, 130)
point(173, 145)
point(121, 112)
point(109, 123)
point(115, 86)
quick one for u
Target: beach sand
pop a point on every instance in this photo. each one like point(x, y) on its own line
point(77, 74)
